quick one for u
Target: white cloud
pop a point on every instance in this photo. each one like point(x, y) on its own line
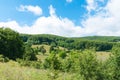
point(93, 5)
point(105, 22)
point(48, 25)
point(34, 9)
point(51, 10)
point(69, 1)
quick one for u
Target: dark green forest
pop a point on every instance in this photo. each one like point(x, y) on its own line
point(77, 56)
point(99, 43)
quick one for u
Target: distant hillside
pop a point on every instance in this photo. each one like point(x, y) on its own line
point(100, 43)
point(102, 38)
point(25, 37)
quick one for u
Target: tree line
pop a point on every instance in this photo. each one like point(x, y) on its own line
point(12, 46)
point(71, 43)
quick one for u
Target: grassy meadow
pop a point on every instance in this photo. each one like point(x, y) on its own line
point(13, 71)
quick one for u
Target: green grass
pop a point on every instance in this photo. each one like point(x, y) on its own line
point(103, 55)
point(47, 47)
point(13, 71)
point(42, 57)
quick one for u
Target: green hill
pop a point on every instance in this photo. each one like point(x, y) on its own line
point(26, 37)
point(100, 43)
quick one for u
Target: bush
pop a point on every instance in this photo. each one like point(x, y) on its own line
point(29, 54)
point(52, 62)
point(3, 59)
point(115, 59)
point(62, 54)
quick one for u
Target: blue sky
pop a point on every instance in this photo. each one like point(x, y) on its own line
point(72, 18)
point(63, 9)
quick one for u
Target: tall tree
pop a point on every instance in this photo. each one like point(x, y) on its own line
point(11, 45)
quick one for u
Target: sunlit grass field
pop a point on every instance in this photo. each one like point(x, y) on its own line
point(103, 55)
point(13, 71)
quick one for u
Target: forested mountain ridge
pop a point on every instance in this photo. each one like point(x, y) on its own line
point(100, 43)
point(25, 37)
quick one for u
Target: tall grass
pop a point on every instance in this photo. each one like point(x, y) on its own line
point(12, 71)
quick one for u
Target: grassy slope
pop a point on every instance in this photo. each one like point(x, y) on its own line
point(101, 55)
point(47, 47)
point(12, 71)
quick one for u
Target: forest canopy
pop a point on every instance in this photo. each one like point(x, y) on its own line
point(11, 44)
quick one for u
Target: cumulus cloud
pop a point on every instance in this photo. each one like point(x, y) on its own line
point(48, 25)
point(105, 22)
point(29, 8)
point(69, 1)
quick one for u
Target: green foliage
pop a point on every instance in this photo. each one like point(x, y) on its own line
point(62, 54)
point(3, 59)
point(42, 50)
point(115, 58)
point(52, 62)
point(53, 75)
point(88, 65)
point(51, 49)
point(11, 45)
point(29, 54)
point(68, 65)
point(83, 63)
point(100, 43)
point(77, 58)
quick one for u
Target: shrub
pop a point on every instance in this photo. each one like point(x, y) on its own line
point(3, 59)
point(52, 62)
point(29, 54)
